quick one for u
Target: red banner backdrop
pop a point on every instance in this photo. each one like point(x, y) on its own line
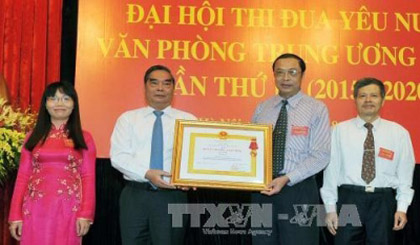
point(221, 54)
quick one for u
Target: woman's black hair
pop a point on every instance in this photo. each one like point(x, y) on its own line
point(43, 123)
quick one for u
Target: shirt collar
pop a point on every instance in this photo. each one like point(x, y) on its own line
point(167, 111)
point(61, 127)
point(292, 101)
point(360, 123)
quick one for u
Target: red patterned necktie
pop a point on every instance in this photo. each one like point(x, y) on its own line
point(368, 166)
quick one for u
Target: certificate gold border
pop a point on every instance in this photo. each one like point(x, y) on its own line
point(180, 127)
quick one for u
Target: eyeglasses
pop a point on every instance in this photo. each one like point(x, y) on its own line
point(65, 99)
point(282, 73)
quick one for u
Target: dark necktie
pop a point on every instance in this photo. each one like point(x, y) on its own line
point(156, 156)
point(368, 166)
point(279, 140)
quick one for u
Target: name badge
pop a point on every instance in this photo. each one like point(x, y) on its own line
point(386, 154)
point(69, 143)
point(300, 130)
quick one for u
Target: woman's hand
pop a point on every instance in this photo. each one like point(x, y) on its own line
point(15, 228)
point(82, 226)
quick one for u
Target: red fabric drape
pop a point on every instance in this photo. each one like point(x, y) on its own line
point(30, 42)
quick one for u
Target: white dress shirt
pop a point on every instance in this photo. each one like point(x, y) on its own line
point(132, 137)
point(393, 169)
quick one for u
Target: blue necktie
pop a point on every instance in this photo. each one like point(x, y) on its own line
point(156, 156)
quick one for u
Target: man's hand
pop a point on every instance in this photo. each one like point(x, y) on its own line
point(400, 219)
point(15, 228)
point(82, 226)
point(276, 185)
point(332, 222)
point(155, 177)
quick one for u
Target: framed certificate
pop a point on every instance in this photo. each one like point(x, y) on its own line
point(222, 155)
